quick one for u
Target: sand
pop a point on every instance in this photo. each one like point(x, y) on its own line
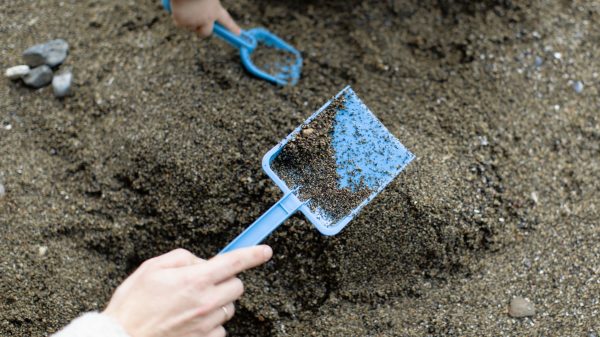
point(160, 147)
point(272, 60)
point(308, 163)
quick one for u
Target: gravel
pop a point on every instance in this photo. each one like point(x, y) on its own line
point(557, 56)
point(521, 307)
point(51, 53)
point(39, 77)
point(42, 250)
point(61, 84)
point(539, 61)
point(17, 72)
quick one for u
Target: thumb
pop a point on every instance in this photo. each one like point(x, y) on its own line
point(205, 30)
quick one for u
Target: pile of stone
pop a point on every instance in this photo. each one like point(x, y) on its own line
point(40, 61)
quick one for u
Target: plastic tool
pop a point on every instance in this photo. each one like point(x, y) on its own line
point(285, 71)
point(358, 137)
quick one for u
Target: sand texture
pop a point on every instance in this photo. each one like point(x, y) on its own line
point(160, 147)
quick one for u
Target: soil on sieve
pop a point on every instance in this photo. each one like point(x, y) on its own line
point(273, 60)
point(161, 146)
point(308, 163)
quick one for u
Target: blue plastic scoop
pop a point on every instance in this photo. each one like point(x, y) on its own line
point(282, 68)
point(366, 156)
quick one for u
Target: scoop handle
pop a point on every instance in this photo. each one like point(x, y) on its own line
point(243, 40)
point(238, 41)
point(267, 223)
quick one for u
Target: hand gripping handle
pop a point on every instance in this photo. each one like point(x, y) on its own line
point(243, 40)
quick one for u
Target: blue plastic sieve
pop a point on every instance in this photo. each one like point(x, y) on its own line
point(358, 137)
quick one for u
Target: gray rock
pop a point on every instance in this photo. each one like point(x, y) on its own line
point(2, 191)
point(16, 72)
point(61, 84)
point(39, 77)
point(578, 87)
point(521, 307)
point(539, 61)
point(51, 53)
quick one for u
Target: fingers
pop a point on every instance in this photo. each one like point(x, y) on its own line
point(228, 312)
point(225, 19)
point(174, 259)
point(221, 295)
point(218, 332)
point(200, 16)
point(223, 267)
point(216, 318)
point(205, 30)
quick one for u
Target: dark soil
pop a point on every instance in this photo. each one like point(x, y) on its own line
point(161, 146)
point(308, 163)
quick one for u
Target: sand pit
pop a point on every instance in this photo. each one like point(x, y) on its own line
point(157, 149)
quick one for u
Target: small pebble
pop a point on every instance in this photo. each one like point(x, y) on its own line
point(42, 250)
point(2, 191)
point(230, 216)
point(308, 131)
point(534, 197)
point(578, 87)
point(539, 61)
point(39, 77)
point(61, 84)
point(51, 53)
point(16, 72)
point(521, 307)
point(483, 141)
point(557, 55)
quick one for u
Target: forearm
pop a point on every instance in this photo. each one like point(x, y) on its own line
point(92, 324)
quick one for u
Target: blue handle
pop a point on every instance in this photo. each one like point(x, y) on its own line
point(243, 40)
point(167, 5)
point(267, 223)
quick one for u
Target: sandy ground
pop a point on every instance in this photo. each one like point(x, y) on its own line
point(160, 147)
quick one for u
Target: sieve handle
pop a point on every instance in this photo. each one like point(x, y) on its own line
point(243, 40)
point(267, 223)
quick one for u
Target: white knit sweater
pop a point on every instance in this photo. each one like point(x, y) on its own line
point(92, 324)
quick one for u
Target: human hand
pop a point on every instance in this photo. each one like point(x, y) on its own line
point(200, 16)
point(179, 294)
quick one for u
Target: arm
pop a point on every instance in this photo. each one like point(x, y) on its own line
point(92, 324)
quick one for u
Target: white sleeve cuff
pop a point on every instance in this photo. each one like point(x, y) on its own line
point(92, 324)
